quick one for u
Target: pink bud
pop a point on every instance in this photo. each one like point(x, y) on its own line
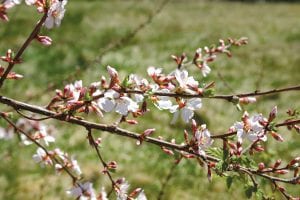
point(112, 71)
point(273, 114)
point(277, 163)
point(261, 166)
point(277, 136)
point(294, 161)
point(281, 171)
point(131, 121)
point(148, 132)
point(112, 165)
point(45, 40)
point(167, 151)
point(135, 192)
point(247, 100)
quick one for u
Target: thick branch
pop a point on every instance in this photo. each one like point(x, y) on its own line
point(90, 125)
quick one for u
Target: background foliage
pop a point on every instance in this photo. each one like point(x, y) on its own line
point(271, 60)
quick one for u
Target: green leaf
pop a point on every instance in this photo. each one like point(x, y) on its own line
point(229, 181)
point(125, 82)
point(249, 190)
point(216, 152)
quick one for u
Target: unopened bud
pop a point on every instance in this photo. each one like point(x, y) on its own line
point(273, 114)
point(277, 136)
point(261, 166)
point(277, 163)
point(45, 40)
point(247, 100)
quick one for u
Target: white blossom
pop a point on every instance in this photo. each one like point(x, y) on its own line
point(186, 111)
point(185, 82)
point(55, 14)
point(121, 104)
point(250, 128)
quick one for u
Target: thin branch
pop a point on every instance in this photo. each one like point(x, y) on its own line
point(33, 34)
point(104, 164)
point(74, 178)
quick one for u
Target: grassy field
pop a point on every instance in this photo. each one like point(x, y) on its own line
point(271, 60)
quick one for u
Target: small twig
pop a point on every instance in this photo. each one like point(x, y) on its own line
point(104, 164)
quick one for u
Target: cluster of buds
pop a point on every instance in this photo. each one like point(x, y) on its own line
point(202, 58)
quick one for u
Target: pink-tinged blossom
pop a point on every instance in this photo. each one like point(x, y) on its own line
point(42, 158)
point(55, 14)
point(122, 193)
point(83, 191)
point(186, 83)
point(251, 128)
point(186, 109)
point(152, 71)
point(203, 139)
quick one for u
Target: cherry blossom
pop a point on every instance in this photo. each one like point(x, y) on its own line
point(186, 109)
point(114, 101)
point(186, 83)
point(251, 128)
point(55, 14)
point(42, 157)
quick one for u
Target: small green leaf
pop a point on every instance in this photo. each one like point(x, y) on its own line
point(229, 181)
point(125, 82)
point(249, 191)
point(215, 151)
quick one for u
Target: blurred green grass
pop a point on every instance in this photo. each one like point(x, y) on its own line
point(270, 60)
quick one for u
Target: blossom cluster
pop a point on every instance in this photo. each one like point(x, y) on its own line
point(55, 10)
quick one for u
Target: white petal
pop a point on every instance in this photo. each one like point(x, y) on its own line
point(194, 103)
point(106, 104)
point(186, 114)
point(175, 117)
